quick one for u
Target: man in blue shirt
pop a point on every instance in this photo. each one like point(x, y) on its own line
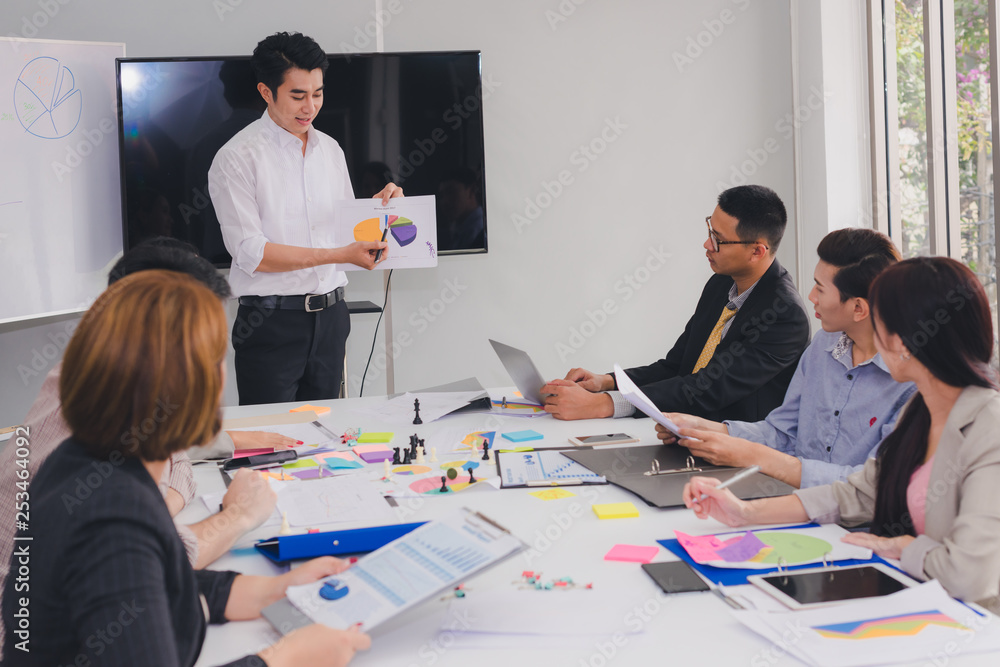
point(841, 401)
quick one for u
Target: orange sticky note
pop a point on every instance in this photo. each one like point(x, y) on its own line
point(318, 409)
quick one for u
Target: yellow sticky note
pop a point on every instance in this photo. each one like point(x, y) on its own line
point(517, 449)
point(615, 511)
point(552, 494)
point(318, 409)
point(375, 437)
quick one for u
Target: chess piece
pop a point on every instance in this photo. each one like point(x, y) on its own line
point(434, 455)
point(486, 451)
point(395, 456)
point(386, 468)
point(406, 457)
point(420, 455)
point(444, 484)
point(472, 480)
point(286, 529)
point(416, 412)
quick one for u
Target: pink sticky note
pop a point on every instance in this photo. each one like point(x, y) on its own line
point(632, 553)
point(701, 548)
point(367, 449)
point(241, 453)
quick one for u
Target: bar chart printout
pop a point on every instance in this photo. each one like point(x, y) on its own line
point(408, 571)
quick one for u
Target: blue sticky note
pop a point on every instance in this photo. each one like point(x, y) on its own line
point(341, 464)
point(522, 436)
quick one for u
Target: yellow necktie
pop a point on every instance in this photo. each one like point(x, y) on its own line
point(713, 340)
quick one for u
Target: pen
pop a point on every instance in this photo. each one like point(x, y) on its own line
point(740, 476)
point(717, 590)
point(562, 482)
point(378, 254)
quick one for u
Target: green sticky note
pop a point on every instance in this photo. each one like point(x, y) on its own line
point(301, 463)
point(375, 437)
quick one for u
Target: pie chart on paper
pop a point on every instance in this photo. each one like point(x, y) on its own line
point(368, 230)
point(47, 102)
point(403, 230)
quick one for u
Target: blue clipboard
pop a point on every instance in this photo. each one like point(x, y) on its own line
point(724, 576)
point(332, 543)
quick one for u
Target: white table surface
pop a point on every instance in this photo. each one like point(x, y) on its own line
point(565, 539)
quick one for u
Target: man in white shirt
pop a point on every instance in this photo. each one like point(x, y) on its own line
point(274, 186)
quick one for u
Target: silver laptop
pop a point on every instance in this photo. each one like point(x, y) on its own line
point(521, 370)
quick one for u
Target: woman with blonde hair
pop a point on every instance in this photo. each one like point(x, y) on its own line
point(142, 378)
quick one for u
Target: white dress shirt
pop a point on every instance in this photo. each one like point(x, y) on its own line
point(266, 191)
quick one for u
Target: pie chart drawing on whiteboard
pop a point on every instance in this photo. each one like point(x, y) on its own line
point(46, 99)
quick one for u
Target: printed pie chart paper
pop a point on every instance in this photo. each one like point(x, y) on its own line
point(764, 549)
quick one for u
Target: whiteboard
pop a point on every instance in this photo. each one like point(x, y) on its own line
point(60, 193)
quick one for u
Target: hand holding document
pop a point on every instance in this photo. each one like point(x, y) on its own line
point(634, 395)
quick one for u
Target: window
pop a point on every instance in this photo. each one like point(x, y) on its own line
point(932, 161)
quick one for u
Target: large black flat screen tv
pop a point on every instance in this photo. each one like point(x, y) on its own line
point(411, 118)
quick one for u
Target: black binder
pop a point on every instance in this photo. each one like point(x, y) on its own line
point(658, 473)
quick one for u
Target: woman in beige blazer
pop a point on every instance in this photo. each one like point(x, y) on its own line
point(933, 327)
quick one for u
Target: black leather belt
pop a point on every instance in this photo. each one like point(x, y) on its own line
point(310, 303)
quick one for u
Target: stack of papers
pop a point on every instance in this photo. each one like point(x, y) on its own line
point(538, 619)
point(912, 625)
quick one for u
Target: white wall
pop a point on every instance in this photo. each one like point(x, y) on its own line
point(831, 118)
point(689, 97)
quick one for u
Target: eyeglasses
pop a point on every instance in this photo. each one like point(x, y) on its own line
point(716, 243)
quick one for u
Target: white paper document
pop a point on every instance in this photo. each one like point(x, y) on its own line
point(406, 572)
point(912, 625)
point(433, 406)
point(408, 225)
point(544, 468)
point(335, 500)
point(634, 395)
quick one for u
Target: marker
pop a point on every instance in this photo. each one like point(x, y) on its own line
point(732, 480)
point(378, 254)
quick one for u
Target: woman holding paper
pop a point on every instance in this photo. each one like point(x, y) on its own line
point(930, 494)
point(112, 584)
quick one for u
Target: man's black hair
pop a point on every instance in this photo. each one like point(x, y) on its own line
point(759, 212)
point(281, 52)
point(172, 255)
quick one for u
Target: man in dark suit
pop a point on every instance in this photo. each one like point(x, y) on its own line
point(740, 348)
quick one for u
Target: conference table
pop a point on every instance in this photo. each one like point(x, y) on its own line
point(565, 539)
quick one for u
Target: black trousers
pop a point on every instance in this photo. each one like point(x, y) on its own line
point(290, 355)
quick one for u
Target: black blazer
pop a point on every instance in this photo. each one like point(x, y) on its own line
point(110, 583)
point(753, 364)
